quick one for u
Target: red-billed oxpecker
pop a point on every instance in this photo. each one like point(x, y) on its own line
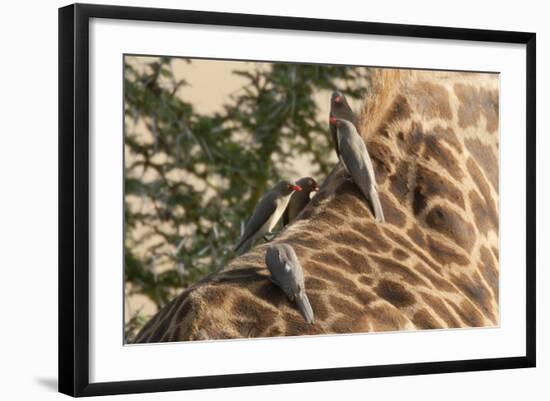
point(287, 273)
point(339, 108)
point(266, 214)
point(356, 160)
point(299, 200)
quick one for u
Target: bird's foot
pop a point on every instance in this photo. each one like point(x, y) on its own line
point(269, 236)
point(348, 178)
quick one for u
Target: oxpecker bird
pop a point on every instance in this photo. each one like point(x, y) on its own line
point(339, 108)
point(356, 160)
point(287, 273)
point(299, 200)
point(266, 215)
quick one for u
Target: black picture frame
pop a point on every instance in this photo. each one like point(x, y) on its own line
point(74, 198)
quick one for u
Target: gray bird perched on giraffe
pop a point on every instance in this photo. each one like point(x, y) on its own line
point(340, 108)
point(266, 214)
point(299, 200)
point(356, 160)
point(287, 273)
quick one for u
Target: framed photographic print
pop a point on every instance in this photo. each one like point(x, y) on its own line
point(249, 199)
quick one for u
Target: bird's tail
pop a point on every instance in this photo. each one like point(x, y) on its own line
point(376, 205)
point(305, 307)
point(243, 246)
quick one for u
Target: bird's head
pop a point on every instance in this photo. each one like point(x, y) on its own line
point(336, 98)
point(308, 184)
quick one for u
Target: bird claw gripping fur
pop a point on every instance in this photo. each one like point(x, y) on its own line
point(269, 236)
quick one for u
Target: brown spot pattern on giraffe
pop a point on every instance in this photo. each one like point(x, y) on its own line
point(417, 236)
point(475, 103)
point(385, 318)
point(486, 157)
point(327, 258)
point(306, 241)
point(494, 250)
point(315, 284)
point(248, 312)
point(392, 213)
point(432, 100)
point(406, 274)
point(333, 277)
point(468, 313)
point(275, 331)
point(468, 112)
point(451, 225)
point(436, 279)
point(270, 293)
point(296, 325)
point(345, 307)
point(485, 219)
point(476, 291)
point(424, 320)
point(382, 159)
point(356, 263)
point(410, 141)
point(435, 150)
point(429, 185)
point(330, 218)
point(319, 306)
point(441, 309)
point(445, 254)
point(368, 281)
point(349, 197)
point(350, 238)
point(484, 207)
point(400, 254)
point(214, 296)
point(346, 325)
point(489, 270)
point(399, 110)
point(489, 102)
point(394, 293)
point(409, 246)
point(373, 236)
point(399, 181)
point(448, 135)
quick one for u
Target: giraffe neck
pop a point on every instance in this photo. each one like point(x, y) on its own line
point(433, 140)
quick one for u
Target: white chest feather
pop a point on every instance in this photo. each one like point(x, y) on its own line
point(275, 217)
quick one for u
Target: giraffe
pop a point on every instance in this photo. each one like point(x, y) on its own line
point(433, 137)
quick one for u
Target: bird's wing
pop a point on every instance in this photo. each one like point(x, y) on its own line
point(305, 307)
point(263, 211)
point(357, 161)
point(298, 201)
point(334, 136)
point(286, 214)
point(286, 272)
point(369, 167)
point(352, 153)
point(282, 273)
